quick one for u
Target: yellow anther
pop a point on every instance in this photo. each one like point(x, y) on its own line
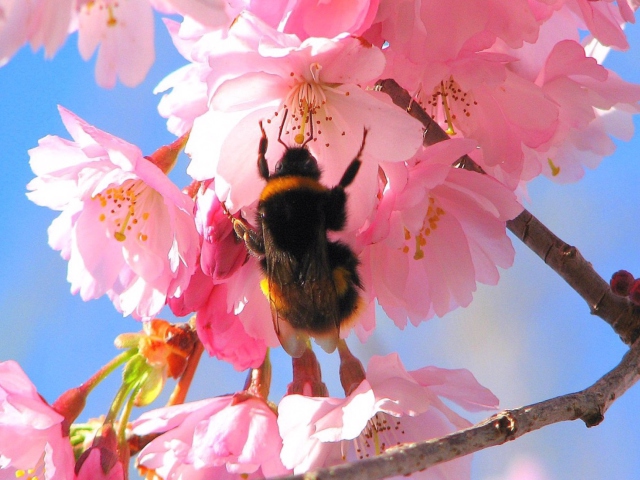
point(555, 170)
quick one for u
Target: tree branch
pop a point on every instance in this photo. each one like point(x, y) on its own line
point(589, 405)
point(563, 258)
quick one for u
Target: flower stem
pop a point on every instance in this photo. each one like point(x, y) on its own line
point(106, 370)
point(181, 389)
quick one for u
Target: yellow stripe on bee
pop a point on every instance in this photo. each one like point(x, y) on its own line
point(350, 320)
point(284, 184)
point(273, 294)
point(341, 279)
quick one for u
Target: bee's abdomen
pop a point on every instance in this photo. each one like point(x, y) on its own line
point(344, 268)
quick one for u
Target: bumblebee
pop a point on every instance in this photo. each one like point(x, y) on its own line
point(311, 282)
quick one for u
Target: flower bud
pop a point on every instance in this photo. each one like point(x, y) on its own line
point(634, 292)
point(621, 282)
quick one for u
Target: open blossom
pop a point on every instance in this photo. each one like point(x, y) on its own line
point(604, 19)
point(477, 96)
point(322, 18)
point(32, 444)
point(391, 406)
point(42, 23)
point(222, 437)
point(433, 31)
point(594, 103)
point(123, 30)
point(439, 230)
point(309, 88)
point(223, 333)
point(125, 228)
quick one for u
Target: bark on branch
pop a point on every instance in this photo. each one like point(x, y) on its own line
point(589, 405)
point(563, 258)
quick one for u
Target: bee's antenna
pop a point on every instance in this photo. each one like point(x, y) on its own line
point(284, 119)
point(310, 130)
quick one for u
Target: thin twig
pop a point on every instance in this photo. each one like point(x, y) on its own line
point(563, 258)
point(589, 405)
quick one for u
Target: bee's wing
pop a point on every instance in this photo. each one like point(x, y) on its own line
point(320, 288)
point(302, 297)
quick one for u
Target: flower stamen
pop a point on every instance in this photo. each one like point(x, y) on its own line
point(299, 138)
point(35, 473)
point(447, 111)
point(115, 201)
point(382, 431)
point(429, 224)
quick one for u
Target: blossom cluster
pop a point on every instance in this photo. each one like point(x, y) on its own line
point(517, 86)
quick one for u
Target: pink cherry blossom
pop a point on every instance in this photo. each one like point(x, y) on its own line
point(315, 18)
point(124, 31)
point(259, 74)
point(442, 230)
point(246, 300)
point(391, 406)
point(587, 93)
point(604, 20)
point(42, 23)
point(222, 253)
point(429, 30)
point(211, 13)
point(223, 334)
point(125, 228)
point(32, 441)
point(232, 435)
point(475, 95)
point(188, 99)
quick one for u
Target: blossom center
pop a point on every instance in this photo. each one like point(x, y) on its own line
point(382, 431)
point(35, 473)
point(305, 107)
point(121, 209)
point(429, 224)
point(448, 102)
point(110, 7)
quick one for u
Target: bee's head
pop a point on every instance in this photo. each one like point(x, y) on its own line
point(297, 161)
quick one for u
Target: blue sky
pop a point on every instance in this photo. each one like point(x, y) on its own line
point(528, 339)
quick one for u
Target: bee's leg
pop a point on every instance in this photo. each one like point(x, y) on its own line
point(350, 173)
point(263, 166)
point(352, 170)
point(252, 239)
point(335, 213)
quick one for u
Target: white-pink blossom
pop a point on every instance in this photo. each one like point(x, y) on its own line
point(32, 440)
point(391, 406)
point(594, 103)
point(42, 23)
point(125, 228)
point(259, 74)
point(439, 230)
point(329, 18)
point(223, 334)
point(213, 438)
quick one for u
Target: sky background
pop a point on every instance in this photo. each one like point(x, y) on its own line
point(528, 339)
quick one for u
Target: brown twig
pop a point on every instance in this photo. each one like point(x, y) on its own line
point(589, 405)
point(563, 258)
